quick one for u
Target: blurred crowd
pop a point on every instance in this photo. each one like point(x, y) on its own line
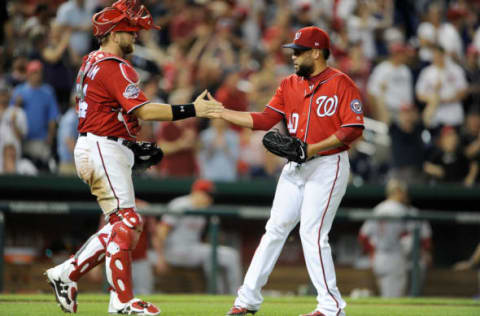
point(417, 64)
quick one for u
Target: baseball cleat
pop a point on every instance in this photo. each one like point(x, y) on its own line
point(134, 307)
point(239, 311)
point(314, 313)
point(65, 292)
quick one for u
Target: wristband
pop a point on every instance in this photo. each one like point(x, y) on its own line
point(181, 111)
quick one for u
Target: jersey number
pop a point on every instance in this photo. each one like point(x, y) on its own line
point(293, 123)
point(326, 106)
point(82, 105)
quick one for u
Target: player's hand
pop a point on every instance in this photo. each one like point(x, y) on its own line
point(161, 266)
point(462, 265)
point(208, 108)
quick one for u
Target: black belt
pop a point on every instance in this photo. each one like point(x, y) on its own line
point(114, 138)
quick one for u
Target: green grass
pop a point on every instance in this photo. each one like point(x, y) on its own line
point(205, 305)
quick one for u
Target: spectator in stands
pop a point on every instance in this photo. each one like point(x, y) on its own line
point(39, 22)
point(179, 239)
point(218, 153)
point(447, 163)
point(470, 135)
point(263, 83)
point(442, 86)
point(40, 105)
point(358, 68)
point(13, 128)
point(382, 239)
point(408, 149)
point(178, 140)
point(74, 16)
point(390, 85)
point(11, 163)
point(231, 96)
point(66, 138)
point(434, 30)
point(363, 24)
point(472, 69)
point(58, 70)
point(450, 33)
point(13, 121)
point(302, 14)
point(254, 160)
point(476, 39)
point(426, 34)
point(18, 74)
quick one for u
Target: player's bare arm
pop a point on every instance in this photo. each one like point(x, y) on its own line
point(329, 143)
point(239, 118)
point(201, 107)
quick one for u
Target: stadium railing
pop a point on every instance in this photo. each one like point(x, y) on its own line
point(214, 213)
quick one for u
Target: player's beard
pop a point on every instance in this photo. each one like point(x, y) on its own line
point(304, 70)
point(127, 48)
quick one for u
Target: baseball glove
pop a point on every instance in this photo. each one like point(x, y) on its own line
point(146, 155)
point(285, 146)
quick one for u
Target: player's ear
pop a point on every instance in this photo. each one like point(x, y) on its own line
point(317, 53)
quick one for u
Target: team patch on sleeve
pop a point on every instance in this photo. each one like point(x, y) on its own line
point(356, 106)
point(129, 73)
point(131, 91)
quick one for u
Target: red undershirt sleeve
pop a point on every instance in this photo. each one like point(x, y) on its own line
point(266, 119)
point(348, 134)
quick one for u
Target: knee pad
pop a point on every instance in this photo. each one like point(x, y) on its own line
point(124, 236)
point(131, 218)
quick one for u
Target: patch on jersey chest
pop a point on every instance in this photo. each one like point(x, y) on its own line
point(131, 91)
point(356, 106)
point(129, 73)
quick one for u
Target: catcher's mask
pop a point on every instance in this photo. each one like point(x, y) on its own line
point(123, 15)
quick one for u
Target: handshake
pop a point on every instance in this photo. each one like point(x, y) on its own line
point(206, 106)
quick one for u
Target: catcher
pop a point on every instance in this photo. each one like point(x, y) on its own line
point(109, 105)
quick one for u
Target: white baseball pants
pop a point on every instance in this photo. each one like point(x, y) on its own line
point(310, 194)
point(106, 166)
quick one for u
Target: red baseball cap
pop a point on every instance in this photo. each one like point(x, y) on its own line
point(310, 37)
point(203, 185)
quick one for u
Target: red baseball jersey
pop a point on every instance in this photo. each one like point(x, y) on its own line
point(107, 93)
point(316, 108)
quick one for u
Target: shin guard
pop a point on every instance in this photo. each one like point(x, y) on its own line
point(118, 265)
point(91, 254)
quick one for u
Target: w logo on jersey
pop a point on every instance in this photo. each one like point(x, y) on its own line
point(326, 106)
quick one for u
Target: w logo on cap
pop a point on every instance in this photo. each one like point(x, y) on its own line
point(297, 35)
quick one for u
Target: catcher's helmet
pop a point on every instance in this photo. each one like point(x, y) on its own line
point(123, 15)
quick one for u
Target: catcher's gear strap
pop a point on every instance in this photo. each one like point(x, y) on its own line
point(265, 120)
point(348, 134)
point(181, 111)
point(131, 218)
point(89, 66)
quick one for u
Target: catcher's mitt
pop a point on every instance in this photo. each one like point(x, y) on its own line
point(146, 155)
point(285, 146)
